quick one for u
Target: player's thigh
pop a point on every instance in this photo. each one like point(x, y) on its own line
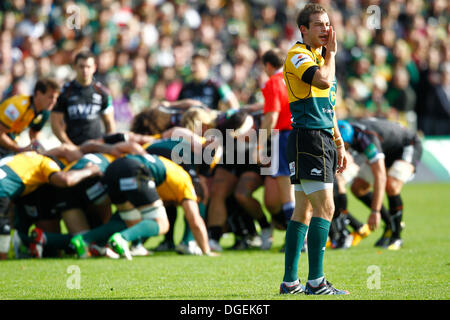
point(248, 182)
point(272, 199)
point(223, 183)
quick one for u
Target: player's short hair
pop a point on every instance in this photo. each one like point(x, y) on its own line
point(83, 55)
point(275, 57)
point(42, 85)
point(304, 16)
point(195, 114)
point(202, 55)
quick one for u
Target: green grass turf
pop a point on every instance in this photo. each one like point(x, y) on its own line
point(419, 271)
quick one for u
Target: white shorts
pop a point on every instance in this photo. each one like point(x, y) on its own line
point(400, 170)
point(310, 186)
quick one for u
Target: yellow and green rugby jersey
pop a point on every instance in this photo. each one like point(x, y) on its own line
point(25, 172)
point(18, 113)
point(102, 160)
point(311, 107)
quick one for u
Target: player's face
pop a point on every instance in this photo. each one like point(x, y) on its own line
point(85, 69)
point(319, 27)
point(199, 69)
point(46, 101)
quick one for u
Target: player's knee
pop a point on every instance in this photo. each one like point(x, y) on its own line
point(242, 196)
point(393, 186)
point(359, 187)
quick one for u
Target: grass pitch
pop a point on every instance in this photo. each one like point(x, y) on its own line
point(420, 271)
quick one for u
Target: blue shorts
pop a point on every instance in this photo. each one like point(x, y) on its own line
point(280, 158)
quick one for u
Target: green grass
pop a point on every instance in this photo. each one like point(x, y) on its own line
point(420, 271)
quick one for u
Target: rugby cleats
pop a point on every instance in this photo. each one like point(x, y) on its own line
point(295, 289)
point(324, 288)
point(37, 238)
point(120, 245)
point(80, 247)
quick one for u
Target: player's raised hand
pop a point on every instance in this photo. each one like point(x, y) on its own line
point(332, 42)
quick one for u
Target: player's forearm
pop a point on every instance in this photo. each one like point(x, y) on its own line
point(378, 192)
point(7, 143)
point(328, 70)
point(269, 121)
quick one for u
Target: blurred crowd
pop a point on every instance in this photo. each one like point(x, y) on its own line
point(393, 58)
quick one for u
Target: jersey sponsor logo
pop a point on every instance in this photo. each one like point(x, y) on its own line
point(150, 158)
point(83, 111)
point(5, 160)
point(93, 158)
point(97, 98)
point(315, 172)
point(11, 112)
point(126, 184)
point(73, 98)
point(299, 59)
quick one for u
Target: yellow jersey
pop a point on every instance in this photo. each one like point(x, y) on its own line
point(24, 172)
point(311, 107)
point(19, 113)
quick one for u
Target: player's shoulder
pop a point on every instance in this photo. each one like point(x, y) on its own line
point(100, 88)
point(18, 100)
point(299, 54)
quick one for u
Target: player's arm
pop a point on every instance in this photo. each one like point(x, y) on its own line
point(340, 148)
point(228, 98)
point(58, 126)
point(69, 152)
point(109, 122)
point(183, 104)
point(6, 142)
point(269, 121)
point(64, 179)
point(378, 169)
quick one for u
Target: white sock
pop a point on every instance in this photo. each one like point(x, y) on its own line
point(315, 282)
point(293, 283)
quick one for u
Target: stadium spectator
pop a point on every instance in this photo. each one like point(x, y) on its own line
point(204, 91)
point(83, 105)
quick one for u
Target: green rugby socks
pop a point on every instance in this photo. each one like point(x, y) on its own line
point(317, 240)
point(295, 237)
point(145, 229)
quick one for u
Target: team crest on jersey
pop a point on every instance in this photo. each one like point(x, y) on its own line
point(332, 94)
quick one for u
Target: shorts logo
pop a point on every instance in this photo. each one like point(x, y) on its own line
point(126, 184)
point(94, 191)
point(316, 172)
point(292, 168)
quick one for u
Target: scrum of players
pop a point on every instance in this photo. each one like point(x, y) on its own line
point(116, 192)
